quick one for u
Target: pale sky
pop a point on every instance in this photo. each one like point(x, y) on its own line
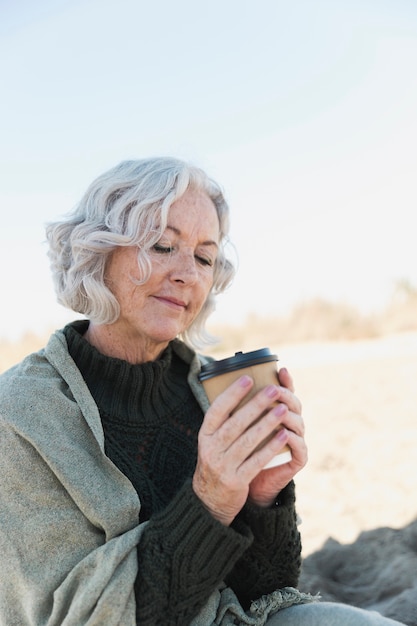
point(305, 112)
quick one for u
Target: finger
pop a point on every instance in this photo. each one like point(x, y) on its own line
point(285, 379)
point(255, 463)
point(257, 432)
point(299, 450)
point(299, 457)
point(293, 422)
point(246, 416)
point(225, 404)
point(290, 399)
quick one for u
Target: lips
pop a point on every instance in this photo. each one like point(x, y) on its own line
point(171, 301)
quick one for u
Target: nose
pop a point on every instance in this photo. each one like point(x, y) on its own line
point(184, 269)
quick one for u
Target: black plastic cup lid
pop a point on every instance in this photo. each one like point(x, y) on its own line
point(236, 362)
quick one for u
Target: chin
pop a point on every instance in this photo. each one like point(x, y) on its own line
point(169, 335)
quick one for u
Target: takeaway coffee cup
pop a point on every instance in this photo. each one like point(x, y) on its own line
point(261, 366)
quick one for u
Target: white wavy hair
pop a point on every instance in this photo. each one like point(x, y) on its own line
point(128, 206)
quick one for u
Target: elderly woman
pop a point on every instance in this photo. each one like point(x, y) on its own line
point(124, 498)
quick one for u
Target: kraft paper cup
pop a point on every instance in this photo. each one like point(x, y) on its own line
point(261, 366)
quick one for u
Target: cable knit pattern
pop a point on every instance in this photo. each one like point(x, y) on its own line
point(273, 560)
point(151, 426)
point(184, 554)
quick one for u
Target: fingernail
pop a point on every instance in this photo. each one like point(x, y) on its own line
point(271, 391)
point(282, 434)
point(280, 410)
point(245, 381)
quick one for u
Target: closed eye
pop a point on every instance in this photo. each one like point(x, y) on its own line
point(162, 249)
point(204, 261)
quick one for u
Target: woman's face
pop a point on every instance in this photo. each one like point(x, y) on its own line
point(183, 260)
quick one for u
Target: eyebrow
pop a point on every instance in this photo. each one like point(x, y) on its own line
point(177, 231)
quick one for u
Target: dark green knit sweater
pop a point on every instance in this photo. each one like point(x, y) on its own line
point(151, 421)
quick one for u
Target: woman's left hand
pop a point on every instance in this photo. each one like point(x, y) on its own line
point(265, 487)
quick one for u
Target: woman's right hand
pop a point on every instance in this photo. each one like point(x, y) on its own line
point(225, 468)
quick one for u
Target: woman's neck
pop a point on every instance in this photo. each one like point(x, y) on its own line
point(134, 350)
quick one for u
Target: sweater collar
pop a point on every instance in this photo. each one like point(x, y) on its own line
point(157, 385)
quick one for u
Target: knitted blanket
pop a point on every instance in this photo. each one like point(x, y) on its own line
point(377, 572)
